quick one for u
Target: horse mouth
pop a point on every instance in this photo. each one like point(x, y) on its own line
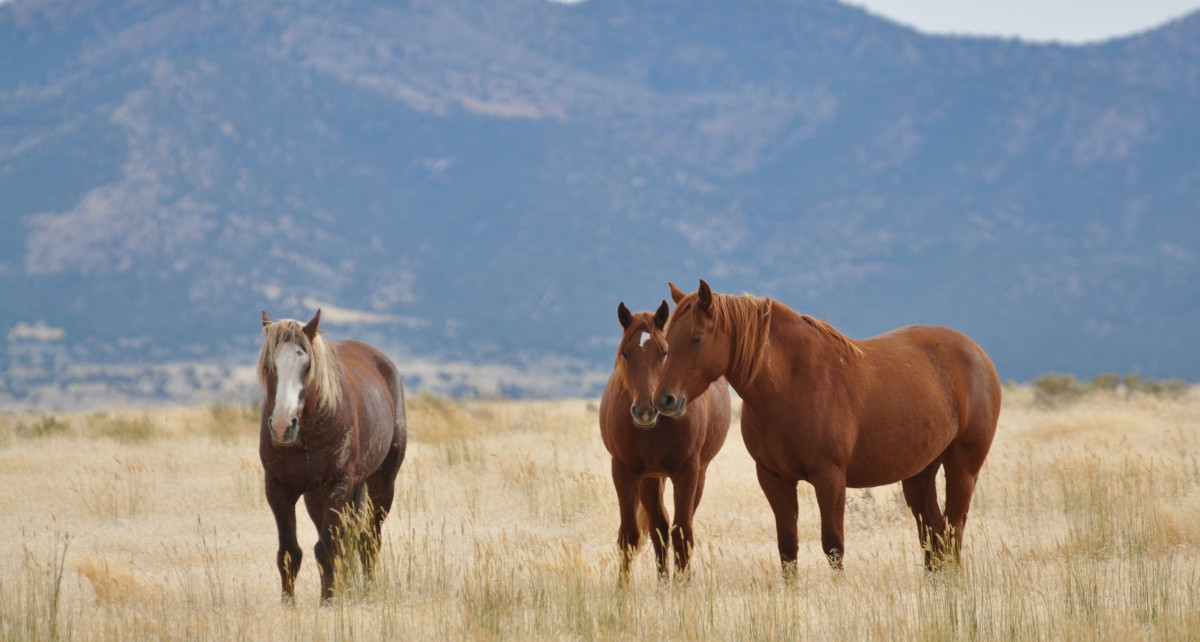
point(643, 425)
point(643, 417)
point(288, 438)
point(671, 405)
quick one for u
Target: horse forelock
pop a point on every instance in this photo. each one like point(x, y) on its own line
point(642, 322)
point(746, 319)
point(323, 366)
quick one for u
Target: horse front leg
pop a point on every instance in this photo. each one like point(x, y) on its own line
point(652, 503)
point(327, 508)
point(685, 483)
point(781, 494)
point(625, 482)
point(283, 505)
point(830, 487)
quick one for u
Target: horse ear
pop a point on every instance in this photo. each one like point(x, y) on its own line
point(266, 319)
point(706, 295)
point(660, 316)
point(310, 328)
point(676, 294)
point(624, 316)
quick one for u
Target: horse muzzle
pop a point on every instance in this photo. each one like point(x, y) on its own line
point(671, 405)
point(644, 418)
point(288, 437)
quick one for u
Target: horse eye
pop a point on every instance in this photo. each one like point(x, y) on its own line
point(663, 356)
point(696, 340)
point(624, 355)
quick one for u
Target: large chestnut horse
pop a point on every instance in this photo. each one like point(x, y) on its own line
point(646, 448)
point(334, 432)
point(838, 413)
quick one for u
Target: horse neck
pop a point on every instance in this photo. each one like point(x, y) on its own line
point(791, 342)
point(319, 419)
point(738, 374)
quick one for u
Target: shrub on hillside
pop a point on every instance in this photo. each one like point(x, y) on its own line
point(1056, 388)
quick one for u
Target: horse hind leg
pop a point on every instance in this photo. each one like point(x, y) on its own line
point(364, 529)
point(380, 493)
point(962, 471)
point(920, 493)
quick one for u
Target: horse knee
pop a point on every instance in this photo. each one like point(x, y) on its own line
point(628, 540)
point(288, 561)
point(324, 554)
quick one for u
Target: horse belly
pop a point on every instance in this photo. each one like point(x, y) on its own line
point(898, 452)
point(377, 428)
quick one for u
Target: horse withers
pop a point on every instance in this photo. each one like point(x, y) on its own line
point(333, 431)
point(646, 449)
point(837, 413)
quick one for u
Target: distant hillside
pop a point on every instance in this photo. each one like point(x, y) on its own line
point(476, 185)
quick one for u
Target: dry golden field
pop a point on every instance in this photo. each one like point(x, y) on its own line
point(151, 523)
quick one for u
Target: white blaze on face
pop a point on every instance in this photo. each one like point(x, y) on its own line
point(642, 341)
point(290, 364)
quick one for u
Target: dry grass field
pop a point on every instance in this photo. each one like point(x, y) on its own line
point(151, 524)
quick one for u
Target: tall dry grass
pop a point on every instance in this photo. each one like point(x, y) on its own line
point(135, 524)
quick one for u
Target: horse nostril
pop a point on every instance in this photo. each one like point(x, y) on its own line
point(633, 410)
point(668, 401)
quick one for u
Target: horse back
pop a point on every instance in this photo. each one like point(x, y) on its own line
point(942, 365)
point(373, 378)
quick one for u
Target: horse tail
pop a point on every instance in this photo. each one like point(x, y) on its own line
point(643, 524)
point(360, 500)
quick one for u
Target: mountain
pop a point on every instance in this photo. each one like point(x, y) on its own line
point(474, 186)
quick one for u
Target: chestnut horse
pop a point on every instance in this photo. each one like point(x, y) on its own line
point(646, 449)
point(334, 432)
point(838, 413)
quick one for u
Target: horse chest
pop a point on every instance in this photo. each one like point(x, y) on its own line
point(659, 464)
point(782, 447)
point(310, 464)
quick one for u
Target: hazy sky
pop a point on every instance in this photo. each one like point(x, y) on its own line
point(1073, 21)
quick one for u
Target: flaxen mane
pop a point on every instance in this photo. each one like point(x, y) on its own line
point(323, 367)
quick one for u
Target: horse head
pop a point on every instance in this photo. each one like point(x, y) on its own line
point(699, 349)
point(285, 368)
point(641, 354)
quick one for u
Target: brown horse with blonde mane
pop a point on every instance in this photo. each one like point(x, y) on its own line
point(838, 413)
point(646, 449)
point(333, 432)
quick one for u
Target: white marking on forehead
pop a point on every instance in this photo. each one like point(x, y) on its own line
point(290, 361)
point(642, 341)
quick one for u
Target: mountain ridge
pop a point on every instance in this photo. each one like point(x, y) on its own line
point(495, 178)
